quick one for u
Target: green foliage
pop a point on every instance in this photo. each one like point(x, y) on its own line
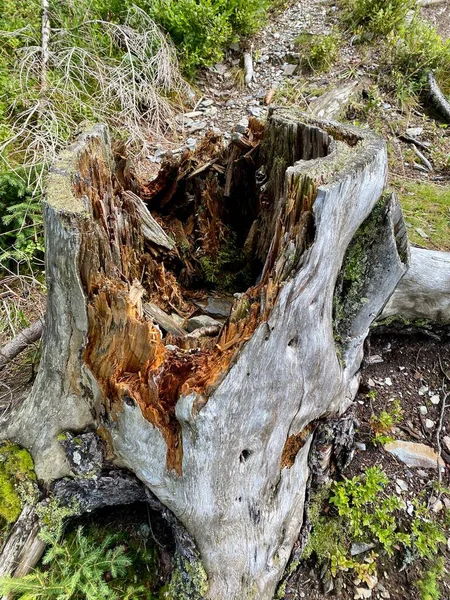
point(319, 52)
point(16, 470)
point(378, 17)
point(364, 512)
point(202, 28)
point(383, 424)
point(428, 584)
point(21, 226)
point(76, 569)
point(412, 52)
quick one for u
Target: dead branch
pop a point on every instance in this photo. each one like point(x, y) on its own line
point(17, 345)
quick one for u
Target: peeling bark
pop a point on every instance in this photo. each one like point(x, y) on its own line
point(219, 430)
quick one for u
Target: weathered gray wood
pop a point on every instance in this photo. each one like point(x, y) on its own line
point(27, 336)
point(424, 292)
point(220, 435)
point(23, 548)
point(438, 99)
point(152, 231)
point(163, 319)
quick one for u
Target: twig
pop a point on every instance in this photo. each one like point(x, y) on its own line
point(438, 439)
point(423, 158)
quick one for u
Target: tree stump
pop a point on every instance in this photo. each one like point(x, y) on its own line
point(218, 427)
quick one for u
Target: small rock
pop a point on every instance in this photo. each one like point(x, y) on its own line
point(198, 126)
point(76, 457)
point(370, 382)
point(360, 446)
point(422, 473)
point(360, 547)
point(201, 321)
point(387, 105)
point(437, 506)
point(423, 410)
point(446, 440)
point(221, 68)
point(429, 424)
point(388, 381)
point(361, 593)
point(435, 399)
point(402, 484)
point(385, 594)
point(207, 103)
point(289, 69)
point(276, 35)
point(193, 115)
point(414, 131)
point(255, 111)
point(371, 581)
point(374, 359)
point(401, 368)
point(423, 390)
point(414, 454)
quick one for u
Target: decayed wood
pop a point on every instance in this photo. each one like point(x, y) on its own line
point(23, 548)
point(27, 336)
point(424, 292)
point(438, 98)
point(220, 433)
point(151, 230)
point(163, 319)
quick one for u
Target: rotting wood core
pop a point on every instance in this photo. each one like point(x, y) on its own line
point(219, 221)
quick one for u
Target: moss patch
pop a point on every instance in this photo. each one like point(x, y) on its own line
point(16, 469)
point(188, 582)
point(426, 206)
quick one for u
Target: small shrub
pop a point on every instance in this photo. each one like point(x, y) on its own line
point(320, 52)
point(428, 584)
point(202, 28)
point(383, 424)
point(363, 512)
point(416, 49)
point(377, 17)
point(77, 569)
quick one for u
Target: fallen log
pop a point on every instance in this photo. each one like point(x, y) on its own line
point(25, 338)
point(220, 433)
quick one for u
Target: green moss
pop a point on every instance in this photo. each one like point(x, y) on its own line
point(349, 291)
point(189, 581)
point(16, 470)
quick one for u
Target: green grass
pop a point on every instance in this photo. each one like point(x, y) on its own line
point(319, 52)
point(426, 206)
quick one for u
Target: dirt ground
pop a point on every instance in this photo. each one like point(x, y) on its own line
point(412, 369)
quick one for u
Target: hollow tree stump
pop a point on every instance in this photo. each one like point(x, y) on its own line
point(219, 429)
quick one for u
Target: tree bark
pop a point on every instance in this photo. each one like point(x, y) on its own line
point(220, 432)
